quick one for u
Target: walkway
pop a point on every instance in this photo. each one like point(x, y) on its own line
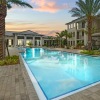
point(15, 83)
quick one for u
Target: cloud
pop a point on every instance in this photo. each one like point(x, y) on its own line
point(12, 26)
point(49, 6)
point(52, 33)
point(22, 26)
point(48, 33)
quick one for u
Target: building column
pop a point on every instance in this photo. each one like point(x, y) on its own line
point(41, 42)
point(24, 40)
point(33, 41)
point(13, 42)
point(16, 41)
point(76, 34)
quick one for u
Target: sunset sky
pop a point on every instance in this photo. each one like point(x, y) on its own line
point(47, 16)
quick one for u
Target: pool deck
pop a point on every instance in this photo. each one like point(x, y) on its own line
point(15, 84)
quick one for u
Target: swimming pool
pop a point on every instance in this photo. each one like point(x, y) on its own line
point(58, 73)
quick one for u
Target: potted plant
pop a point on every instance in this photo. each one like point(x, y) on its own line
point(30, 44)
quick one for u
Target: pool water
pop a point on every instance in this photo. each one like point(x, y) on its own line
point(59, 73)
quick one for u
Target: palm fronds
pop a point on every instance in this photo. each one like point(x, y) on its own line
point(86, 8)
point(18, 3)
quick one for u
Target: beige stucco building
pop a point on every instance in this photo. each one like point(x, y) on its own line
point(76, 28)
point(16, 39)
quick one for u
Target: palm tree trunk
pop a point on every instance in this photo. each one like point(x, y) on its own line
point(7, 48)
point(60, 42)
point(66, 40)
point(3, 11)
point(89, 33)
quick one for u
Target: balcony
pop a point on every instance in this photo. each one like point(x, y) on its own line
point(80, 37)
point(81, 25)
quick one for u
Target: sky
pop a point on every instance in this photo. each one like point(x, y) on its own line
point(46, 16)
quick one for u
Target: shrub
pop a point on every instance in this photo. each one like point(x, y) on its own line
point(97, 53)
point(10, 60)
point(2, 63)
point(30, 44)
point(92, 52)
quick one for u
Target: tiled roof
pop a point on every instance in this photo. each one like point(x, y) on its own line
point(76, 20)
point(28, 32)
point(9, 33)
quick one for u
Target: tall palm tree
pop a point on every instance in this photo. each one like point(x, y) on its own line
point(66, 35)
point(59, 36)
point(88, 9)
point(4, 5)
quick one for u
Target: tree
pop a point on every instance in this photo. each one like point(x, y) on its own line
point(88, 9)
point(50, 40)
point(67, 35)
point(4, 4)
point(60, 36)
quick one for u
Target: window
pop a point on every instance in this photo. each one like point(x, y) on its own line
point(73, 34)
point(29, 37)
point(20, 37)
point(73, 42)
point(83, 24)
point(82, 33)
point(20, 41)
point(9, 41)
point(27, 42)
point(37, 38)
point(77, 35)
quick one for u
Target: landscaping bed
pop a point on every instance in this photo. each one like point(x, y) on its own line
point(92, 52)
point(10, 60)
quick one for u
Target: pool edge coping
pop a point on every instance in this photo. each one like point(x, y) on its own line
point(34, 81)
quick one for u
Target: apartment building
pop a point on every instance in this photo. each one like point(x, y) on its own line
point(77, 27)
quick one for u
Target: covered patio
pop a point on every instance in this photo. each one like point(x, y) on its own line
point(15, 39)
point(23, 38)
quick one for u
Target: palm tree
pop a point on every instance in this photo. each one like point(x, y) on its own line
point(69, 35)
point(59, 36)
point(88, 9)
point(66, 35)
point(4, 4)
point(50, 40)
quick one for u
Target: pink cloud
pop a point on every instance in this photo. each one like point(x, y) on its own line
point(48, 6)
